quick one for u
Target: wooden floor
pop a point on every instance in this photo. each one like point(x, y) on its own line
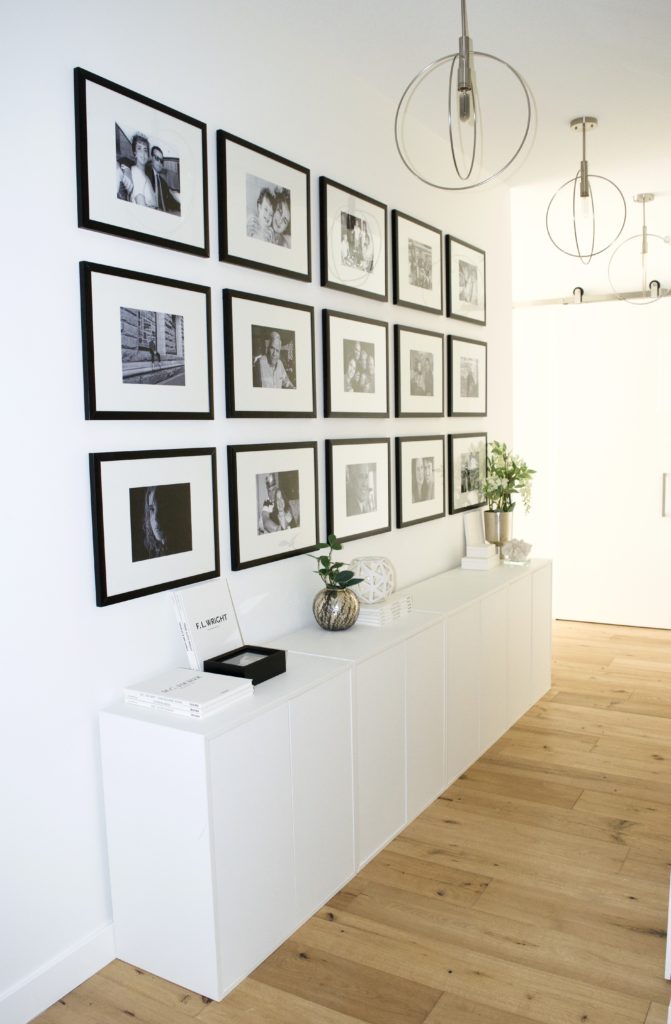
point(534, 889)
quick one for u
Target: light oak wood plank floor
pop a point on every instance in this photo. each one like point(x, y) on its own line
point(534, 890)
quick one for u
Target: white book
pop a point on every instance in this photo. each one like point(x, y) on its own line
point(207, 621)
point(481, 551)
point(386, 612)
point(481, 564)
point(181, 713)
point(188, 690)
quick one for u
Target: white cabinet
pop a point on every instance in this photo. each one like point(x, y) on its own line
point(463, 651)
point(494, 715)
point(521, 691)
point(424, 718)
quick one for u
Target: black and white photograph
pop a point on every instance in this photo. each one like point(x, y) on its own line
point(269, 355)
point(467, 469)
point(154, 521)
point(358, 482)
point(466, 282)
point(146, 344)
point(353, 230)
point(141, 167)
point(355, 365)
point(273, 501)
point(467, 377)
point(420, 479)
point(417, 263)
point(264, 209)
point(420, 376)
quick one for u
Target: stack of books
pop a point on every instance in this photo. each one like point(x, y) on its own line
point(480, 557)
point(386, 612)
point(187, 693)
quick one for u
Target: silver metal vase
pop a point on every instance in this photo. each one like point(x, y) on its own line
point(335, 609)
point(498, 528)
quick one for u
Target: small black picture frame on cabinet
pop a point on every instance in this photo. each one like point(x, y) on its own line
point(466, 282)
point(356, 365)
point(264, 209)
point(420, 479)
point(249, 662)
point(420, 372)
point(358, 487)
point(467, 469)
point(417, 263)
point(467, 377)
point(269, 351)
point(141, 167)
point(353, 236)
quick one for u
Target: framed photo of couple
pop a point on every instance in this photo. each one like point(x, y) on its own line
point(273, 501)
point(264, 209)
point(358, 487)
point(420, 479)
point(466, 282)
point(141, 167)
point(269, 350)
point(356, 358)
point(353, 232)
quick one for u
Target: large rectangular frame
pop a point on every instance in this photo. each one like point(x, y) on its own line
point(353, 237)
point(104, 202)
point(352, 511)
point(350, 342)
point(467, 468)
point(251, 321)
point(466, 281)
point(253, 183)
point(419, 359)
point(466, 377)
point(262, 530)
point(119, 388)
point(144, 504)
point(417, 263)
point(420, 479)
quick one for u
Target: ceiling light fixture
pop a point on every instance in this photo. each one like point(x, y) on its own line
point(578, 234)
point(650, 258)
point(468, 162)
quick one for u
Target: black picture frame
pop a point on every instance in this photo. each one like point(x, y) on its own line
point(253, 184)
point(466, 377)
point(419, 377)
point(155, 523)
point(417, 263)
point(165, 206)
point(262, 530)
point(420, 479)
point(466, 281)
point(252, 322)
point(358, 492)
point(466, 454)
point(352, 344)
point(147, 345)
point(353, 241)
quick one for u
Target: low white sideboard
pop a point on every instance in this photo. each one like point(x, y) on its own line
point(225, 834)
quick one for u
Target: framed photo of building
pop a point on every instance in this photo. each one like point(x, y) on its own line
point(467, 377)
point(356, 358)
point(269, 349)
point(147, 346)
point(466, 282)
point(417, 263)
point(420, 372)
point(264, 209)
point(358, 487)
point(467, 469)
point(353, 232)
point(420, 479)
point(141, 167)
point(273, 501)
point(154, 521)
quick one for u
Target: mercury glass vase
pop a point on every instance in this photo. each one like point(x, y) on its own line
point(335, 609)
point(498, 528)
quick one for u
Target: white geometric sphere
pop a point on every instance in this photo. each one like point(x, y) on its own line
point(378, 578)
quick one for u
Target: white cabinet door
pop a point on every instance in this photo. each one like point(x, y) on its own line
point(379, 731)
point(321, 758)
point(520, 689)
point(250, 780)
point(541, 632)
point(463, 655)
point(494, 719)
point(425, 718)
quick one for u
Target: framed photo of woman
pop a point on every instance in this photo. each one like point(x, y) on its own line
point(420, 479)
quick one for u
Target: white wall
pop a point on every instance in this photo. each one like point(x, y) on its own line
point(245, 69)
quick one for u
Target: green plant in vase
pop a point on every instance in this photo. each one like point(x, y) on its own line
point(336, 606)
point(507, 475)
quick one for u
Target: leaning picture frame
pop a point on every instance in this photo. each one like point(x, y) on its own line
point(466, 281)
point(154, 521)
point(141, 167)
point(264, 209)
point(467, 469)
point(356, 365)
point(466, 377)
point(147, 346)
point(417, 263)
point(419, 359)
point(358, 487)
point(273, 501)
point(353, 237)
point(420, 479)
point(269, 352)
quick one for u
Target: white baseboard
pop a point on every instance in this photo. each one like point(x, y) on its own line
point(37, 992)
